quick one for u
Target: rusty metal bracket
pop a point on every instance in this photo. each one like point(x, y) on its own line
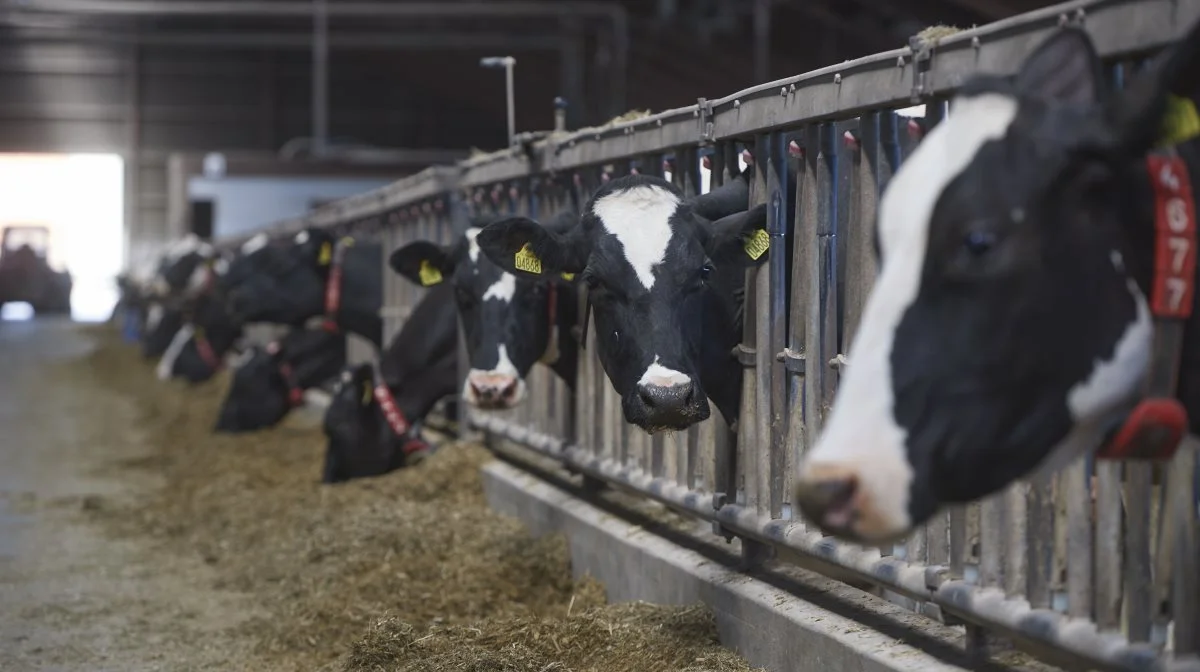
point(745, 355)
point(793, 362)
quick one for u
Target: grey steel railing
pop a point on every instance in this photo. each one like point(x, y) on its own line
point(1000, 565)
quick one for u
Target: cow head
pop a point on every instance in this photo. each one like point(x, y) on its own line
point(506, 318)
point(1009, 321)
point(360, 444)
point(197, 351)
point(267, 383)
point(184, 269)
point(662, 274)
point(284, 282)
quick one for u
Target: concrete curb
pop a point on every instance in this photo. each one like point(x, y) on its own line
point(768, 625)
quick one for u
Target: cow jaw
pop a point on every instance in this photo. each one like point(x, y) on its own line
point(856, 481)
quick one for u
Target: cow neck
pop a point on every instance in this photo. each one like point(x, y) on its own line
point(333, 286)
point(397, 422)
point(552, 353)
point(295, 392)
point(1158, 423)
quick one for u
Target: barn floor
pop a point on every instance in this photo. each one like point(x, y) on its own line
point(132, 538)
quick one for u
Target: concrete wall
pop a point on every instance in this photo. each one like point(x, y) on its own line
point(244, 204)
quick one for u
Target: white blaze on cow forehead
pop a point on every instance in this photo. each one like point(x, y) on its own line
point(255, 244)
point(660, 376)
point(167, 363)
point(472, 244)
point(503, 289)
point(640, 218)
point(861, 436)
point(301, 238)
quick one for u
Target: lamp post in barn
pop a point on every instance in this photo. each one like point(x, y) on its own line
point(506, 62)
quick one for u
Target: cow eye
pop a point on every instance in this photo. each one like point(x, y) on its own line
point(978, 243)
point(706, 271)
point(591, 281)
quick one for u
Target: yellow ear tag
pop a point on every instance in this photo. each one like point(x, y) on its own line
point(527, 261)
point(429, 274)
point(1180, 121)
point(368, 394)
point(326, 254)
point(757, 244)
point(568, 276)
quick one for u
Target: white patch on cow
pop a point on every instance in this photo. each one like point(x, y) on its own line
point(186, 245)
point(154, 316)
point(472, 244)
point(640, 218)
point(503, 289)
point(221, 266)
point(167, 363)
point(503, 374)
point(1115, 381)
point(301, 238)
point(861, 436)
point(660, 376)
point(255, 244)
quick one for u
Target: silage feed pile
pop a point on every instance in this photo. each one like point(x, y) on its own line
point(410, 571)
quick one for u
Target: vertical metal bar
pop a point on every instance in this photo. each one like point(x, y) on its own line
point(775, 317)
point(1185, 596)
point(1016, 518)
point(1077, 490)
point(510, 98)
point(754, 427)
point(1138, 569)
point(320, 78)
point(1039, 542)
point(1109, 549)
point(134, 237)
point(803, 274)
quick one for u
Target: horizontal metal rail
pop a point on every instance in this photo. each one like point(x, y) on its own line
point(911, 75)
point(987, 607)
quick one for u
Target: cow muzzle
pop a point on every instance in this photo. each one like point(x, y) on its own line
point(666, 407)
point(838, 499)
point(493, 391)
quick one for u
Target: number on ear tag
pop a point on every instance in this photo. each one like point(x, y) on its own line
point(326, 254)
point(527, 261)
point(430, 275)
point(568, 276)
point(1180, 121)
point(368, 394)
point(757, 244)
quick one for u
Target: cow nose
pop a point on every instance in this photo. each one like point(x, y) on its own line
point(493, 390)
point(672, 406)
point(828, 500)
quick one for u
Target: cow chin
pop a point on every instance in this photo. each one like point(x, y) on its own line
point(662, 420)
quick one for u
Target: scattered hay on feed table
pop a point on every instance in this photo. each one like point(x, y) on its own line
point(327, 562)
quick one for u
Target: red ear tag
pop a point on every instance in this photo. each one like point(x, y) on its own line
point(1153, 431)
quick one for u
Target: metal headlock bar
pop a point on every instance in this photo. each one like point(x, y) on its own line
point(838, 128)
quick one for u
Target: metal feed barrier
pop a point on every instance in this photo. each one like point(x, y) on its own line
point(1000, 565)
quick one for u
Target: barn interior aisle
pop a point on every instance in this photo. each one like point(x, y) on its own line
point(132, 538)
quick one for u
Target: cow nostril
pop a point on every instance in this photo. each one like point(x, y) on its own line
point(690, 396)
point(828, 501)
point(509, 390)
point(647, 398)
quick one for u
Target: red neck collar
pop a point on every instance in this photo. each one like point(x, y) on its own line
point(205, 349)
point(333, 286)
point(1159, 423)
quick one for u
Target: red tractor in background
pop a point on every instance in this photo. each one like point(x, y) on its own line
point(25, 274)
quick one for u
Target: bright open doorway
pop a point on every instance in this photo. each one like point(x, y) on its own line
point(80, 198)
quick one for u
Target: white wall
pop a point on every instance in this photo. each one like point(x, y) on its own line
point(244, 204)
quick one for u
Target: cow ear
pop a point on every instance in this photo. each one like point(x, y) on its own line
point(423, 263)
point(523, 247)
point(1159, 106)
point(1063, 69)
point(740, 238)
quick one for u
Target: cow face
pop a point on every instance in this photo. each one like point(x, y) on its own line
point(661, 282)
point(197, 351)
point(1007, 325)
point(506, 319)
point(184, 268)
point(283, 283)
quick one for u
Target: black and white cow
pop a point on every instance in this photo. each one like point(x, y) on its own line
point(313, 275)
point(198, 350)
point(509, 323)
point(270, 381)
point(161, 323)
point(373, 422)
point(665, 278)
point(1009, 327)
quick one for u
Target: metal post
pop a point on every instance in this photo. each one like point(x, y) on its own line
point(560, 114)
point(509, 62)
point(320, 78)
point(762, 40)
point(506, 62)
